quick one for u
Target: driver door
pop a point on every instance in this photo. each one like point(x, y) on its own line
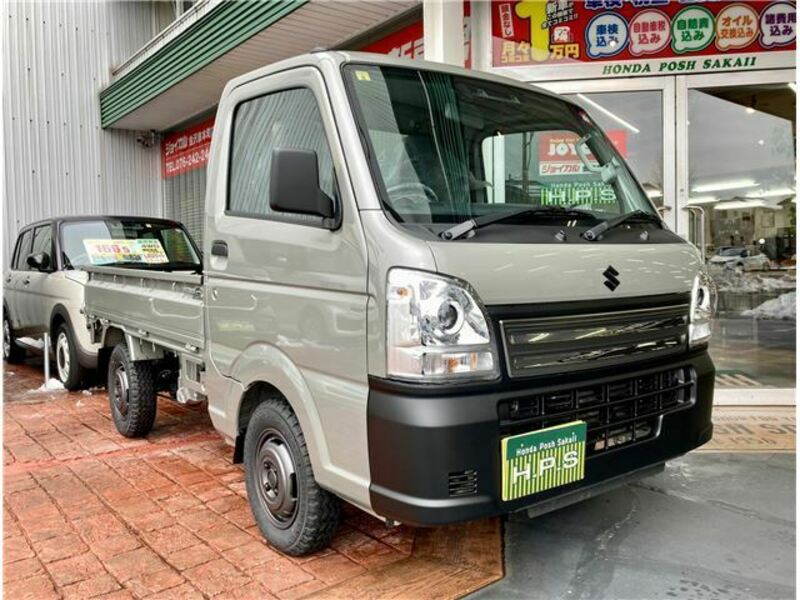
point(33, 293)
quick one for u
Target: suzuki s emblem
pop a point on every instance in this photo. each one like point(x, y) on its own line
point(611, 275)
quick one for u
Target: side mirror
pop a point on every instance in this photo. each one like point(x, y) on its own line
point(40, 261)
point(294, 184)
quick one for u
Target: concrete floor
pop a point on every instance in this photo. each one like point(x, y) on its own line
point(712, 526)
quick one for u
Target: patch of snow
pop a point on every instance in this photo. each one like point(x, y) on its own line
point(86, 392)
point(784, 307)
point(53, 385)
point(32, 342)
point(728, 280)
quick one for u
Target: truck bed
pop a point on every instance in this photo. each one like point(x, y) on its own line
point(163, 307)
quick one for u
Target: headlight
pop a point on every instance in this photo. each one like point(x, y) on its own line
point(704, 305)
point(435, 329)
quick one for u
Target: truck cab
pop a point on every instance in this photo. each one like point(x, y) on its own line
point(406, 309)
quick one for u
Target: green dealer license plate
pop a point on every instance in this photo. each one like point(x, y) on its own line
point(541, 460)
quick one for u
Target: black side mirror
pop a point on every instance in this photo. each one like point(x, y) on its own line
point(40, 261)
point(294, 184)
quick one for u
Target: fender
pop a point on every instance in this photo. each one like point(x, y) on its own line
point(264, 363)
point(86, 359)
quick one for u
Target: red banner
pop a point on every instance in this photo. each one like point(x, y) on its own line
point(186, 150)
point(407, 42)
point(557, 154)
point(531, 32)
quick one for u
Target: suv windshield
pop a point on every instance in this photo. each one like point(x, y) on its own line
point(127, 242)
point(449, 148)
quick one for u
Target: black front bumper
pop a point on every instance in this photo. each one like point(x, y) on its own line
point(420, 435)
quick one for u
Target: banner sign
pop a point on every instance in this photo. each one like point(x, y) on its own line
point(186, 150)
point(557, 155)
point(104, 252)
point(667, 36)
point(408, 41)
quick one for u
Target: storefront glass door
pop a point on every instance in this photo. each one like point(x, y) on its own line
point(716, 153)
point(736, 198)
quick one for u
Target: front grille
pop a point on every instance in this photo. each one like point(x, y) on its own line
point(549, 345)
point(617, 413)
point(462, 483)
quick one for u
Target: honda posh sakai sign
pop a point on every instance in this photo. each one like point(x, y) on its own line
point(642, 37)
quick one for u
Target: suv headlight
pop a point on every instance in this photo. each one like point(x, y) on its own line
point(704, 305)
point(436, 330)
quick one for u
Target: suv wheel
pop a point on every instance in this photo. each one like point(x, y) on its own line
point(12, 353)
point(70, 371)
point(131, 393)
point(292, 511)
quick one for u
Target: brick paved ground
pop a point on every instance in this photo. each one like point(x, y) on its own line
point(88, 513)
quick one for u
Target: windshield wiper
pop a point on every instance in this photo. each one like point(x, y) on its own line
point(470, 225)
point(595, 232)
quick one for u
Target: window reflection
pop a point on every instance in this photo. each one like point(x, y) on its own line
point(742, 181)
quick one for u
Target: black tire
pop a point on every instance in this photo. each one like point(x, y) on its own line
point(131, 393)
point(12, 353)
point(273, 434)
point(71, 373)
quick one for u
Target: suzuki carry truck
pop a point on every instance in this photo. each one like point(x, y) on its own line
point(406, 304)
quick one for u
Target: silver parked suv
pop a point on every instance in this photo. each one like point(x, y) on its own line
point(44, 285)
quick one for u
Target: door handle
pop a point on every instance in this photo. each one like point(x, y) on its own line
point(27, 281)
point(219, 248)
point(8, 279)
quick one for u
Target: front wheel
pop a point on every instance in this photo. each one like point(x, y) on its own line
point(292, 511)
point(70, 371)
point(12, 353)
point(131, 393)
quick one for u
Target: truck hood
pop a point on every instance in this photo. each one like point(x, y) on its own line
point(531, 273)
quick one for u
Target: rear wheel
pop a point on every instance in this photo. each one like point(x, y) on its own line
point(292, 511)
point(70, 371)
point(131, 393)
point(12, 353)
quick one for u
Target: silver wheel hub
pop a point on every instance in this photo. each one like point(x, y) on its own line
point(62, 356)
point(119, 394)
point(277, 483)
point(6, 339)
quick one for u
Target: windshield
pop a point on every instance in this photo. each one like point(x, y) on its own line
point(450, 148)
point(125, 242)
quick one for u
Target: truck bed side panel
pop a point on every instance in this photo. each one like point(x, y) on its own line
point(162, 307)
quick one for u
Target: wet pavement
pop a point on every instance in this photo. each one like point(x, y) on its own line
point(713, 526)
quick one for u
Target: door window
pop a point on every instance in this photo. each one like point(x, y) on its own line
point(23, 250)
point(742, 197)
point(43, 241)
point(288, 120)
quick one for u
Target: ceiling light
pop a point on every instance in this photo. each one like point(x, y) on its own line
point(760, 142)
point(608, 113)
point(741, 204)
point(703, 200)
point(730, 184)
point(750, 110)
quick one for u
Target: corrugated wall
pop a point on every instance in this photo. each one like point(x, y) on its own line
point(58, 161)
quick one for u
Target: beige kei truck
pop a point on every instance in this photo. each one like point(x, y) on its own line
point(405, 305)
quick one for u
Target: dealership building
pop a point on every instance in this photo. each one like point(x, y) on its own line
point(109, 108)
